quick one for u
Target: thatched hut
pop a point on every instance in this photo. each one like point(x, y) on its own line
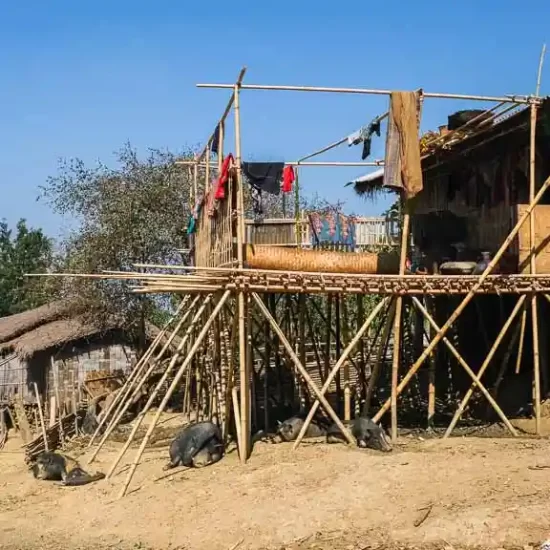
point(60, 351)
point(476, 186)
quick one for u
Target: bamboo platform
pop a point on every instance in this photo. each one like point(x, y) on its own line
point(322, 283)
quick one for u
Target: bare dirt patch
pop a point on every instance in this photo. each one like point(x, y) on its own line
point(480, 492)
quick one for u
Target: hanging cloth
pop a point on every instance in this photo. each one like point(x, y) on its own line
point(288, 179)
point(364, 135)
point(264, 176)
point(402, 165)
point(224, 177)
point(215, 143)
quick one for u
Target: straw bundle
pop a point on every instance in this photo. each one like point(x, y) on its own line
point(323, 261)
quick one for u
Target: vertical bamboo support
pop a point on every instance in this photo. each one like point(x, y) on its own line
point(362, 362)
point(380, 356)
point(430, 304)
point(328, 334)
point(41, 416)
point(267, 364)
point(243, 367)
point(345, 368)
point(338, 342)
point(397, 326)
point(533, 258)
point(523, 324)
point(302, 339)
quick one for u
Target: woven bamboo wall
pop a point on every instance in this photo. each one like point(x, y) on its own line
point(542, 239)
point(214, 235)
point(13, 380)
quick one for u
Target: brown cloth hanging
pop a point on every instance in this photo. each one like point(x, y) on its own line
point(402, 167)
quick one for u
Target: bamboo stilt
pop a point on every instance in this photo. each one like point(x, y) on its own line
point(485, 364)
point(431, 374)
point(171, 389)
point(397, 326)
point(466, 367)
point(160, 383)
point(381, 355)
point(301, 368)
point(523, 326)
point(341, 360)
point(533, 262)
point(441, 332)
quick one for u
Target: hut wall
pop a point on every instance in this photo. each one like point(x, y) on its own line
point(13, 380)
point(542, 239)
point(100, 363)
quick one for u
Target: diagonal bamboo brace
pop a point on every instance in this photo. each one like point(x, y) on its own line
point(337, 367)
point(467, 368)
point(168, 371)
point(171, 389)
point(484, 366)
point(438, 337)
point(300, 367)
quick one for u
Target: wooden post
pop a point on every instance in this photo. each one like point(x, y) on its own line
point(454, 316)
point(341, 360)
point(300, 367)
point(160, 383)
point(397, 326)
point(466, 367)
point(41, 416)
point(484, 366)
point(171, 389)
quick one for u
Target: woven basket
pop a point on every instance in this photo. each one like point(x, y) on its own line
point(323, 261)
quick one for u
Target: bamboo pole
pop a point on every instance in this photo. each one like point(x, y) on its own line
point(41, 416)
point(523, 325)
point(347, 385)
point(123, 393)
point(171, 389)
point(341, 360)
point(441, 332)
point(432, 367)
point(244, 374)
point(326, 405)
point(519, 99)
point(466, 367)
point(160, 383)
point(484, 366)
point(397, 326)
point(381, 355)
point(127, 401)
point(533, 259)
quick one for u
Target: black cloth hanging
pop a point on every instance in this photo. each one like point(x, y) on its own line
point(215, 144)
point(264, 176)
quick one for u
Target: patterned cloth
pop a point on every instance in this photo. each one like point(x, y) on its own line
point(333, 228)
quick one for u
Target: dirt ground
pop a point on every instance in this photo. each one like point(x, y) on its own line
point(454, 494)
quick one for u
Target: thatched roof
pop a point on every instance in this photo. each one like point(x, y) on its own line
point(53, 334)
point(457, 143)
point(15, 325)
point(52, 326)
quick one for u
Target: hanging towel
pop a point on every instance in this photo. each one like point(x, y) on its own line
point(264, 176)
point(224, 176)
point(288, 179)
point(402, 166)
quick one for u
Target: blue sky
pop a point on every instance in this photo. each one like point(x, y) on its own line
point(80, 78)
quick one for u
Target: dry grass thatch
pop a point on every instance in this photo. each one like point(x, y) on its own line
point(53, 334)
point(15, 325)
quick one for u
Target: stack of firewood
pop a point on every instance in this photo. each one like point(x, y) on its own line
point(55, 436)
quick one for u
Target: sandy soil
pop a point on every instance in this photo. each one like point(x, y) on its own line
point(476, 492)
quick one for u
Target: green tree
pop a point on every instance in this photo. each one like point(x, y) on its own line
point(25, 251)
point(136, 212)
